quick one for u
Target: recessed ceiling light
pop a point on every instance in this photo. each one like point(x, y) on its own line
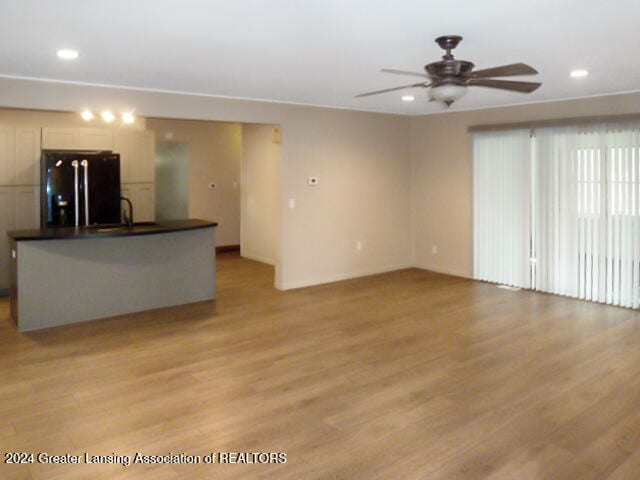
point(408, 98)
point(127, 117)
point(107, 116)
point(87, 115)
point(68, 54)
point(579, 73)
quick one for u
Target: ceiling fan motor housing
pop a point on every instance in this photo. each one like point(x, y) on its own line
point(448, 68)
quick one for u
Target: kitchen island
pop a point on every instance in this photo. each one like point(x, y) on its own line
point(68, 275)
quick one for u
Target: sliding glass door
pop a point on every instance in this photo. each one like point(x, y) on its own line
point(583, 205)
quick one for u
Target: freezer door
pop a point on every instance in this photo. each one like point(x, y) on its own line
point(103, 189)
point(59, 205)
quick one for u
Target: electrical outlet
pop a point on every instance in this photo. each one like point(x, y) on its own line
point(312, 181)
point(292, 203)
point(434, 249)
point(359, 245)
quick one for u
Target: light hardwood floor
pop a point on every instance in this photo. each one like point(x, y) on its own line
point(405, 375)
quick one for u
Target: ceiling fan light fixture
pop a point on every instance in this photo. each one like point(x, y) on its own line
point(447, 93)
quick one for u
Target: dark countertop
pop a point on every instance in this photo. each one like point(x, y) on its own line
point(142, 228)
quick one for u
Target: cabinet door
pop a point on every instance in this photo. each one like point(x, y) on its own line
point(125, 191)
point(6, 154)
point(122, 146)
point(137, 156)
point(143, 157)
point(77, 138)
point(146, 199)
point(6, 223)
point(58, 138)
point(26, 207)
point(26, 156)
point(143, 198)
point(93, 139)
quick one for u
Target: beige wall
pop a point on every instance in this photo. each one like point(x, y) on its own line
point(363, 161)
point(261, 159)
point(442, 173)
point(215, 150)
point(385, 180)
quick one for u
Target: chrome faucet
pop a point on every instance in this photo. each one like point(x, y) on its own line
point(128, 219)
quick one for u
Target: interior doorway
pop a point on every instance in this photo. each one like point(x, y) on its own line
point(260, 171)
point(226, 172)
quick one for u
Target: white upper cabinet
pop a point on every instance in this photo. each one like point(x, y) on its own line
point(137, 156)
point(58, 138)
point(93, 139)
point(19, 155)
point(26, 156)
point(77, 139)
point(6, 154)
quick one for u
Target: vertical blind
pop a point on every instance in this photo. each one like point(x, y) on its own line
point(501, 199)
point(583, 208)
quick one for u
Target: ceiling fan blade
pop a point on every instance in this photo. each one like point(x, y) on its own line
point(403, 72)
point(505, 71)
point(524, 87)
point(423, 84)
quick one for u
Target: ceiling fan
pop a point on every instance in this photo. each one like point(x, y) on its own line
point(448, 79)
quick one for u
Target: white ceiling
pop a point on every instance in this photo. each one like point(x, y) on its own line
point(322, 52)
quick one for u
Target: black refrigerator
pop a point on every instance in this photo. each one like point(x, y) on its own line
point(79, 188)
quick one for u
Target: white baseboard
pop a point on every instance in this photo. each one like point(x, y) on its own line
point(446, 271)
point(257, 258)
point(341, 276)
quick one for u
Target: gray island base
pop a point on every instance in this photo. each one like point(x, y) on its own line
point(60, 278)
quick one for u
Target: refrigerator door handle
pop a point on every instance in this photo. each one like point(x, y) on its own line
point(76, 192)
point(85, 165)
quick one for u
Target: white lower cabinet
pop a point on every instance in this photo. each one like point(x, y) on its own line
point(26, 207)
point(19, 210)
point(6, 224)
